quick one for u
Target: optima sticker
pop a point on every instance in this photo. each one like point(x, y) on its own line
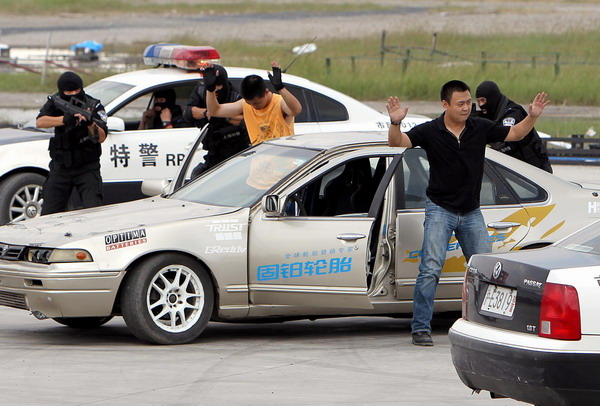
point(125, 239)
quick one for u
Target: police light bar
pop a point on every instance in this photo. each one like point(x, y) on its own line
point(181, 56)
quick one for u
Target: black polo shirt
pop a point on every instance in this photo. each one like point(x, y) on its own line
point(456, 165)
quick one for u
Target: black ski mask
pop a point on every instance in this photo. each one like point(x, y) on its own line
point(69, 81)
point(493, 96)
point(170, 97)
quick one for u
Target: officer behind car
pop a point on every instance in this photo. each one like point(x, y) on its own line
point(75, 147)
point(226, 136)
point(165, 113)
point(497, 107)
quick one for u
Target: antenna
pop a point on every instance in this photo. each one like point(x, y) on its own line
point(301, 50)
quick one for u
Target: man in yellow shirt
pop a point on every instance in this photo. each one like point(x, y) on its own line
point(267, 115)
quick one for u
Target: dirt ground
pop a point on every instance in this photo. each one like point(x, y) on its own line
point(475, 16)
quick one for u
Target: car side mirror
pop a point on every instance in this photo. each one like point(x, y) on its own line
point(153, 187)
point(270, 206)
point(115, 124)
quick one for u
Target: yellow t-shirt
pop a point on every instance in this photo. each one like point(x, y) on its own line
point(266, 123)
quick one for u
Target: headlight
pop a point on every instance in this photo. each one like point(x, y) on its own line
point(54, 255)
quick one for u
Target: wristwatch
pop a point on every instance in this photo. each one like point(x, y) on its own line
point(392, 122)
point(166, 123)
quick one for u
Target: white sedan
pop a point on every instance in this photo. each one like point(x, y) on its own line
point(130, 155)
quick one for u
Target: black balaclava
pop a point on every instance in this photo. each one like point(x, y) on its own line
point(493, 96)
point(69, 81)
point(170, 98)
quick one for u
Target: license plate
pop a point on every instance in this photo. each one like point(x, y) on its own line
point(499, 300)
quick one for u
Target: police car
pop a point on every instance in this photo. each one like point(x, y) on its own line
point(314, 225)
point(131, 155)
point(530, 328)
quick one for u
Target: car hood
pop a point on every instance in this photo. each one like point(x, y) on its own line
point(64, 228)
point(17, 135)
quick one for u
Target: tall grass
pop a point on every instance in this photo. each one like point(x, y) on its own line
point(355, 67)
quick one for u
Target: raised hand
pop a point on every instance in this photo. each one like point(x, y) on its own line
point(275, 78)
point(538, 104)
point(395, 110)
point(210, 78)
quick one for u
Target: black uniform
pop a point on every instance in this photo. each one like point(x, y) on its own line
point(502, 110)
point(177, 120)
point(75, 158)
point(223, 139)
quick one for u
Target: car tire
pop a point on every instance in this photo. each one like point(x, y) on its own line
point(167, 299)
point(83, 322)
point(21, 197)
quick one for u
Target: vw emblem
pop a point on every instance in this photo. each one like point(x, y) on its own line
point(3, 249)
point(497, 270)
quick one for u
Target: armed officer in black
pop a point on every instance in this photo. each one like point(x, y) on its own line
point(226, 136)
point(75, 147)
point(497, 107)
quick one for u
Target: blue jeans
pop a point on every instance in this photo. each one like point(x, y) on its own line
point(472, 235)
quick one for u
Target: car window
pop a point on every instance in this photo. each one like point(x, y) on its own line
point(346, 190)
point(415, 170)
point(416, 177)
point(328, 109)
point(132, 111)
point(107, 91)
point(525, 190)
point(242, 180)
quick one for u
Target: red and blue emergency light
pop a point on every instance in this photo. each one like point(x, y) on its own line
point(181, 56)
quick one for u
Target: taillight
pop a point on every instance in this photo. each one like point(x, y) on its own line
point(465, 295)
point(559, 315)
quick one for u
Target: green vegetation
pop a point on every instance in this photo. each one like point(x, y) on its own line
point(522, 66)
point(564, 128)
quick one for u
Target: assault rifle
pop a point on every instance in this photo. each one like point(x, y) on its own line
point(76, 106)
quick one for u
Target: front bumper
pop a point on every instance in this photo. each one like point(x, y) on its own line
point(490, 359)
point(63, 293)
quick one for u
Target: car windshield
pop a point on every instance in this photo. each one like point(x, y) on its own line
point(107, 91)
point(244, 179)
point(586, 240)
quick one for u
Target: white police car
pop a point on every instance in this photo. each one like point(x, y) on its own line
point(129, 155)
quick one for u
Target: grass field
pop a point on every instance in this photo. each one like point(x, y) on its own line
point(566, 66)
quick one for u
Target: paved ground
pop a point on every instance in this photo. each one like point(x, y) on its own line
point(346, 361)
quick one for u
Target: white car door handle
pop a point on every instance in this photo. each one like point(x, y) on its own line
point(503, 225)
point(350, 236)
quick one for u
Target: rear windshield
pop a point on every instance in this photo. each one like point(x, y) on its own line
point(586, 240)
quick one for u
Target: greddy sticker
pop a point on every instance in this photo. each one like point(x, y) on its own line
point(125, 239)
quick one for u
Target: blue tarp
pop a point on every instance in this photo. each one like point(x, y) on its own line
point(91, 45)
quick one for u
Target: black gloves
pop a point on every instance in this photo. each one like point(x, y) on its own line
point(70, 119)
point(275, 79)
point(210, 79)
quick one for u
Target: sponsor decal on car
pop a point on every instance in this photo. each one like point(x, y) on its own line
point(125, 239)
point(593, 207)
point(320, 267)
point(217, 249)
point(226, 230)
